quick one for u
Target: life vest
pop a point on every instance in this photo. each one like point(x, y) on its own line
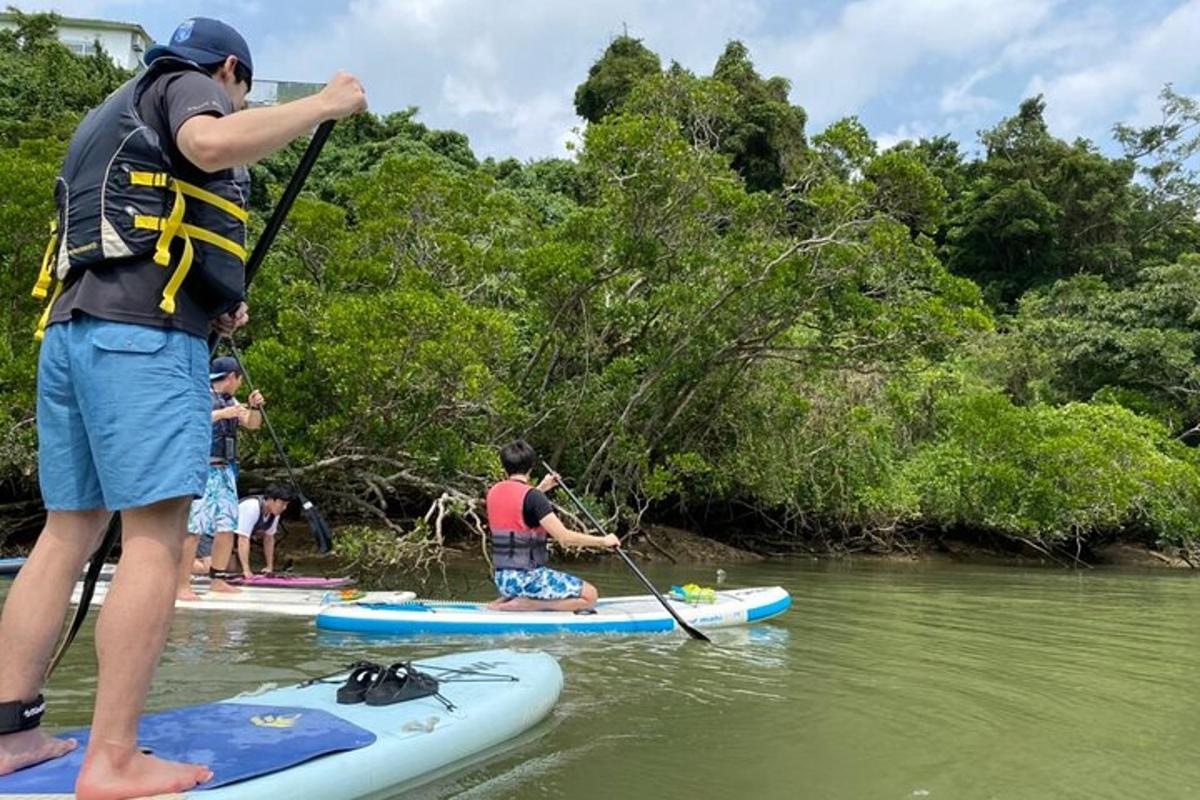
point(515, 545)
point(224, 432)
point(265, 520)
point(119, 197)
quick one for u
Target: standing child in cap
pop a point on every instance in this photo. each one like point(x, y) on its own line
point(215, 514)
point(132, 299)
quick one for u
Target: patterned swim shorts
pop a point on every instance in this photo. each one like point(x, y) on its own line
point(217, 511)
point(542, 583)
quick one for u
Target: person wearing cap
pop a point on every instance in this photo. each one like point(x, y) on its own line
point(146, 259)
point(214, 515)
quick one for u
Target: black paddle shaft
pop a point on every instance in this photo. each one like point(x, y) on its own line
point(695, 634)
point(253, 263)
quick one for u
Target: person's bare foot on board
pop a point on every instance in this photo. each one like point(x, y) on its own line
point(26, 748)
point(118, 773)
point(221, 586)
point(187, 595)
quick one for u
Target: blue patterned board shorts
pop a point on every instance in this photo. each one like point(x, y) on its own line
point(217, 511)
point(542, 583)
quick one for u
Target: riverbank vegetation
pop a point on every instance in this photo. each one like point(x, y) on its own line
point(708, 315)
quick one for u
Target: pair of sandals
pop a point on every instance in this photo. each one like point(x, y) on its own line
point(376, 685)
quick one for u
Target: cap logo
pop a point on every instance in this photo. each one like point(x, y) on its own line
point(184, 31)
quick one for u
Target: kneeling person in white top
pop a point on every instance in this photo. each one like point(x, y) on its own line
point(259, 514)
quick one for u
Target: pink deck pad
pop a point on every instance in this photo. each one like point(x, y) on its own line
point(293, 582)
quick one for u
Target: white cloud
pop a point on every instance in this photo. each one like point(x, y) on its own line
point(876, 45)
point(504, 72)
point(1122, 84)
point(908, 131)
point(961, 98)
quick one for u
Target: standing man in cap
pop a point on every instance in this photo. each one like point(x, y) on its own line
point(147, 258)
point(215, 514)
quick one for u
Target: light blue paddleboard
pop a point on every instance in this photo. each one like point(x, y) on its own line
point(10, 566)
point(297, 742)
point(641, 614)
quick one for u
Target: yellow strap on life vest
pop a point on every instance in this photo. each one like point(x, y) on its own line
point(173, 226)
point(170, 229)
point(205, 196)
point(39, 333)
point(161, 179)
point(46, 273)
point(195, 232)
point(181, 272)
point(217, 240)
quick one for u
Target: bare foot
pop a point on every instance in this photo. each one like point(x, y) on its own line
point(519, 604)
point(219, 585)
point(187, 595)
point(116, 773)
point(26, 748)
point(529, 604)
point(499, 601)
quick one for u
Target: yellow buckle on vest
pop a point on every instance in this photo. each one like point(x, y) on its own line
point(159, 179)
point(46, 274)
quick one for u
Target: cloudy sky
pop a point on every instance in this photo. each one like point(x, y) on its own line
point(505, 71)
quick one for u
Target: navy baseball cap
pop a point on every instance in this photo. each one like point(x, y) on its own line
point(204, 41)
point(222, 366)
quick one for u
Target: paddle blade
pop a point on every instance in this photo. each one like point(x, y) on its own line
point(322, 533)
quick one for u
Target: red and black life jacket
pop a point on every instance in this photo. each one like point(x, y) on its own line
point(515, 545)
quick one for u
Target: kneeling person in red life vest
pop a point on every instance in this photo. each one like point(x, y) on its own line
point(521, 518)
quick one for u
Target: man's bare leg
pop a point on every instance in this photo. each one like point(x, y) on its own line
point(32, 619)
point(130, 635)
point(222, 551)
point(183, 586)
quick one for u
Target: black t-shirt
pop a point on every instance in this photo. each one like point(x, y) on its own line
point(536, 508)
point(129, 290)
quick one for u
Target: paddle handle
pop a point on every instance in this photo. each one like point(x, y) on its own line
point(695, 634)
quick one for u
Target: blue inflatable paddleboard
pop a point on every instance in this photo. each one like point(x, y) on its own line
point(639, 614)
point(297, 742)
point(11, 566)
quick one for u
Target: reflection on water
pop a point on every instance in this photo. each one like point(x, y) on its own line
point(881, 682)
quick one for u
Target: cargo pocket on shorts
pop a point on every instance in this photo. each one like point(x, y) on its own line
point(133, 339)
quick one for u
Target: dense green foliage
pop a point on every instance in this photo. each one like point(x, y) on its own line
point(709, 314)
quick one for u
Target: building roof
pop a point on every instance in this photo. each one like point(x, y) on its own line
point(84, 22)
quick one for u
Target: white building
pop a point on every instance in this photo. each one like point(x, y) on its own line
point(125, 42)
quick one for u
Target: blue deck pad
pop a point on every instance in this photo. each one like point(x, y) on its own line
point(235, 741)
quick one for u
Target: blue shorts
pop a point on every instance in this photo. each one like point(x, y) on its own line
point(217, 511)
point(542, 583)
point(124, 415)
